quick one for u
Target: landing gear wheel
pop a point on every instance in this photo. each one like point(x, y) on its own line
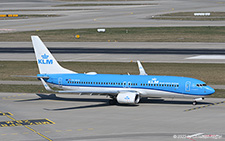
point(194, 102)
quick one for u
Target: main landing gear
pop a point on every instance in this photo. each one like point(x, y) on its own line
point(113, 101)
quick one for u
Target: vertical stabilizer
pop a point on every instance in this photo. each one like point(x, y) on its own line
point(45, 60)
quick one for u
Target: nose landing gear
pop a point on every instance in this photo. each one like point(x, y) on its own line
point(197, 99)
point(194, 103)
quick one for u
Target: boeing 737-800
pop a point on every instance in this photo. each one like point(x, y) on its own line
point(123, 89)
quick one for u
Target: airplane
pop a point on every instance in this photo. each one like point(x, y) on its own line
point(122, 89)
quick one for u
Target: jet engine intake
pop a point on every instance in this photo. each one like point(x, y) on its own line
point(128, 98)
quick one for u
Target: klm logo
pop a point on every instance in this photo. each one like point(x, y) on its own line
point(127, 98)
point(45, 60)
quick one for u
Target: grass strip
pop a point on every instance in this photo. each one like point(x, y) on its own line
point(189, 16)
point(38, 15)
point(28, 16)
point(135, 34)
point(23, 88)
point(18, 10)
point(212, 74)
point(220, 93)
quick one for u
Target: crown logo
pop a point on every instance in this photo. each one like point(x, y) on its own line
point(127, 98)
point(44, 56)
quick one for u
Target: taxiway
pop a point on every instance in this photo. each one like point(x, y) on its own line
point(73, 117)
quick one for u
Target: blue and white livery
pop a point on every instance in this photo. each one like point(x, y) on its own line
point(124, 89)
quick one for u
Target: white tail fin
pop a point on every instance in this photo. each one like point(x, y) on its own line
point(45, 60)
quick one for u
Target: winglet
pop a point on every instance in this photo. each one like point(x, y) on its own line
point(141, 69)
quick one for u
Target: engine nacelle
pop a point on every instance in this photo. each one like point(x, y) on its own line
point(128, 98)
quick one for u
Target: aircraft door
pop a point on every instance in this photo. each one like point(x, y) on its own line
point(129, 84)
point(188, 86)
point(124, 84)
point(60, 82)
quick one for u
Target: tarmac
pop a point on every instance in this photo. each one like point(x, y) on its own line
point(164, 52)
point(103, 16)
point(73, 117)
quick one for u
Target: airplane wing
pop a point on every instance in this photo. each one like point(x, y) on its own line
point(141, 69)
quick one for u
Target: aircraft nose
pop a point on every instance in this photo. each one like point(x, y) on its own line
point(209, 90)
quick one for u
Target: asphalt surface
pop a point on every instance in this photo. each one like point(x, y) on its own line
point(104, 16)
point(166, 52)
point(73, 117)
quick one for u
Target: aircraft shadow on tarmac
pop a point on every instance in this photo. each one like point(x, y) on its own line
point(105, 102)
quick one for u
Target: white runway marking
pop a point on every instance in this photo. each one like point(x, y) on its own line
point(207, 57)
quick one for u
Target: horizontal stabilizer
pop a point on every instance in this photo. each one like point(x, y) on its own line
point(46, 85)
point(29, 76)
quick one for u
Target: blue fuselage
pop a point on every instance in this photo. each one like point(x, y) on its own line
point(155, 84)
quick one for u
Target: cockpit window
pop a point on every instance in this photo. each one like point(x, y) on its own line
point(200, 85)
